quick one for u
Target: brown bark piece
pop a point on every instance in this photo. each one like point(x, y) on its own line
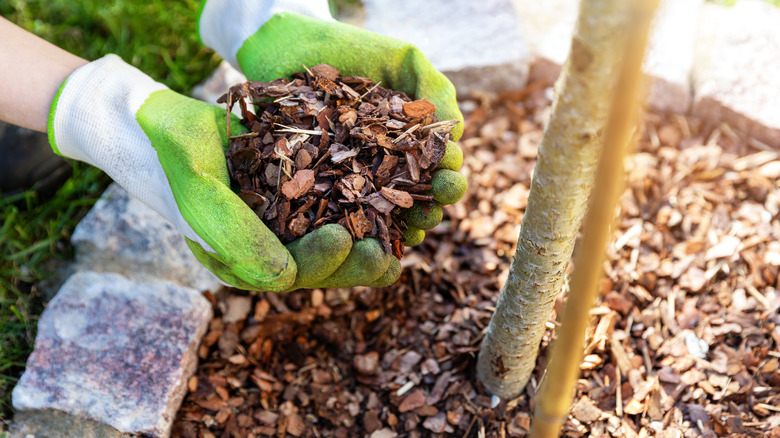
point(302, 159)
point(368, 363)
point(325, 70)
point(300, 184)
point(397, 197)
point(418, 108)
point(299, 224)
point(382, 204)
point(386, 168)
point(360, 225)
point(414, 400)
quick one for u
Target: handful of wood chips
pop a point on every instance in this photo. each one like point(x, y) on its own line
point(323, 149)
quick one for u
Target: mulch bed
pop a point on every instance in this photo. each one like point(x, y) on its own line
point(684, 341)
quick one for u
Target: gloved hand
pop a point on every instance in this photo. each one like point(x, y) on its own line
point(268, 40)
point(168, 150)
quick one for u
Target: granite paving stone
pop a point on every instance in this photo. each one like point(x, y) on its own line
point(121, 234)
point(115, 351)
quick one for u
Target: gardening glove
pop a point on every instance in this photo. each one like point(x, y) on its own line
point(168, 151)
point(269, 39)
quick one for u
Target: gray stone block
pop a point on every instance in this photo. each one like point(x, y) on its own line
point(478, 45)
point(670, 55)
point(121, 234)
point(112, 350)
point(49, 424)
point(548, 27)
point(735, 75)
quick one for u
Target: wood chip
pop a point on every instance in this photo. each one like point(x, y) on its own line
point(684, 357)
point(414, 400)
point(321, 147)
point(299, 185)
point(418, 108)
point(397, 197)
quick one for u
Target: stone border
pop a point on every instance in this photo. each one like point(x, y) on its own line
point(124, 329)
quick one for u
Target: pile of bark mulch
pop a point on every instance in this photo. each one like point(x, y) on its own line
point(683, 343)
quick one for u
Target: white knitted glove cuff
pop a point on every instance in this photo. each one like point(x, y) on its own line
point(226, 24)
point(94, 121)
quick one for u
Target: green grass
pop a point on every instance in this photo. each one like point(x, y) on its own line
point(160, 38)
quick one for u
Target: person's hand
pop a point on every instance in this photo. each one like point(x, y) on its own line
point(190, 139)
point(285, 42)
point(168, 150)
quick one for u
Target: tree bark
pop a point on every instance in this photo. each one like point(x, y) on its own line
point(561, 185)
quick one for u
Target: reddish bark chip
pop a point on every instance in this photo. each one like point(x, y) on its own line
point(303, 159)
point(398, 249)
point(419, 108)
point(325, 70)
point(367, 363)
point(329, 86)
point(299, 225)
point(360, 225)
point(300, 184)
point(412, 401)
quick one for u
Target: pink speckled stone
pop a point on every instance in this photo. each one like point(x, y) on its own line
point(116, 351)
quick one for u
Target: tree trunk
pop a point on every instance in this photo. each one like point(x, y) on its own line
point(553, 401)
point(561, 185)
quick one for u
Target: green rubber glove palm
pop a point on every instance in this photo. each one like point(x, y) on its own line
point(168, 151)
point(190, 139)
point(287, 42)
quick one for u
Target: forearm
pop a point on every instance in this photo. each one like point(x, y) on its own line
point(31, 72)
